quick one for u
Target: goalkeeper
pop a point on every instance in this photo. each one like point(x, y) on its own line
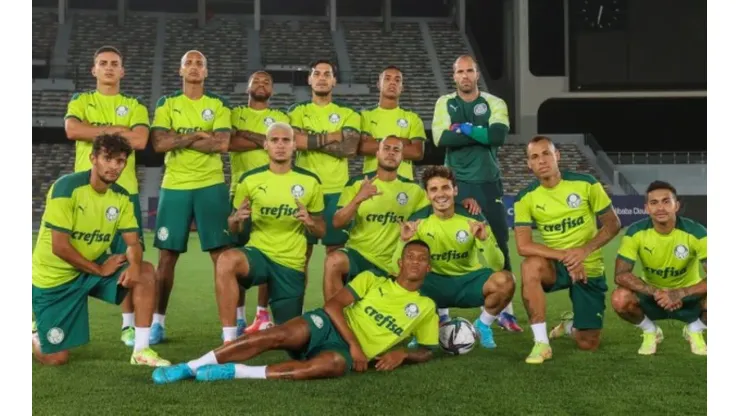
point(471, 125)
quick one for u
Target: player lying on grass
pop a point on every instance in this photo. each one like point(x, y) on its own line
point(84, 211)
point(280, 204)
point(456, 237)
point(670, 249)
point(371, 207)
point(563, 206)
point(361, 323)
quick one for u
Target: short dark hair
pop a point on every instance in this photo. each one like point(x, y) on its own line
point(261, 71)
point(107, 48)
point(537, 139)
point(438, 172)
point(112, 144)
point(655, 185)
point(315, 63)
point(416, 243)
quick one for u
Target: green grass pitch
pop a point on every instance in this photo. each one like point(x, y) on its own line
point(614, 380)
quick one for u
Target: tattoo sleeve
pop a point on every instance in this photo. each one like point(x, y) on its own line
point(167, 140)
point(256, 138)
point(347, 147)
point(218, 142)
point(623, 277)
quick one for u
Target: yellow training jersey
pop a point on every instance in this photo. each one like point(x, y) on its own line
point(275, 230)
point(384, 314)
point(90, 218)
point(668, 260)
point(376, 227)
point(246, 118)
point(566, 214)
point(380, 123)
point(187, 168)
point(454, 249)
point(333, 171)
point(97, 109)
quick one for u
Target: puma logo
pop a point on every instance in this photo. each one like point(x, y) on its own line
point(540, 207)
point(374, 122)
point(649, 250)
point(380, 289)
point(453, 107)
point(81, 208)
point(262, 188)
point(92, 105)
point(430, 235)
point(177, 110)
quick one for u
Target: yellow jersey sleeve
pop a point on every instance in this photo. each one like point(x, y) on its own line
point(499, 110)
point(427, 333)
point(223, 118)
point(59, 213)
point(315, 205)
point(348, 194)
point(490, 250)
point(599, 200)
point(422, 201)
point(241, 193)
point(296, 116)
point(281, 116)
point(128, 221)
point(523, 213)
point(441, 120)
point(365, 122)
point(235, 113)
point(140, 116)
point(76, 107)
point(629, 247)
point(162, 118)
point(361, 284)
point(416, 130)
point(354, 121)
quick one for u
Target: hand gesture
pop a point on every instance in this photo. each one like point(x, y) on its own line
point(670, 300)
point(391, 360)
point(471, 205)
point(574, 256)
point(408, 229)
point(244, 211)
point(302, 214)
point(578, 273)
point(112, 264)
point(368, 190)
point(478, 230)
point(358, 358)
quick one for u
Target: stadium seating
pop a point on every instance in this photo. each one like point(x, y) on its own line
point(50, 161)
point(295, 42)
point(44, 29)
point(51, 103)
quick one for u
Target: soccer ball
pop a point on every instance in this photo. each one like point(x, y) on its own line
point(457, 336)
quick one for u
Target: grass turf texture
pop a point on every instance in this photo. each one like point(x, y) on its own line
point(614, 380)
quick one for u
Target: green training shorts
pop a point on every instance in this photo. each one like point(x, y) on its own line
point(323, 337)
point(689, 312)
point(465, 291)
point(358, 264)
point(588, 299)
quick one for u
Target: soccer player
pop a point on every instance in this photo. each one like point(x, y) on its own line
point(471, 125)
point(456, 237)
point(670, 249)
point(326, 134)
point(106, 110)
point(282, 204)
point(192, 126)
point(362, 322)
point(388, 118)
point(84, 212)
point(247, 152)
point(563, 206)
point(375, 205)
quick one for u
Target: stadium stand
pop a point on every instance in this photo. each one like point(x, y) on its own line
point(44, 29)
point(307, 40)
point(50, 161)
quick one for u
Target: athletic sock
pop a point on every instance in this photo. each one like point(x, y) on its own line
point(540, 332)
point(647, 325)
point(158, 319)
point(486, 317)
point(249, 371)
point(209, 358)
point(128, 320)
point(697, 326)
point(240, 314)
point(141, 338)
point(229, 333)
point(443, 312)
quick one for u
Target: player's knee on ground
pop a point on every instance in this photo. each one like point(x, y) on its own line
point(588, 340)
point(623, 300)
point(327, 364)
point(503, 283)
point(57, 358)
point(533, 268)
point(228, 262)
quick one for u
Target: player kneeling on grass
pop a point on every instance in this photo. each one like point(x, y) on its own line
point(456, 237)
point(670, 249)
point(282, 204)
point(362, 322)
point(84, 211)
point(563, 206)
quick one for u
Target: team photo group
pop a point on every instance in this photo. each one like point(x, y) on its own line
point(400, 252)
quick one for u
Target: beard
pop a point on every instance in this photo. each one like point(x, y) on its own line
point(106, 180)
point(386, 167)
point(322, 93)
point(258, 97)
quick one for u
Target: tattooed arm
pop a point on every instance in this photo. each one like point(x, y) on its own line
point(244, 140)
point(623, 277)
point(341, 144)
point(699, 289)
point(167, 140)
point(216, 142)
